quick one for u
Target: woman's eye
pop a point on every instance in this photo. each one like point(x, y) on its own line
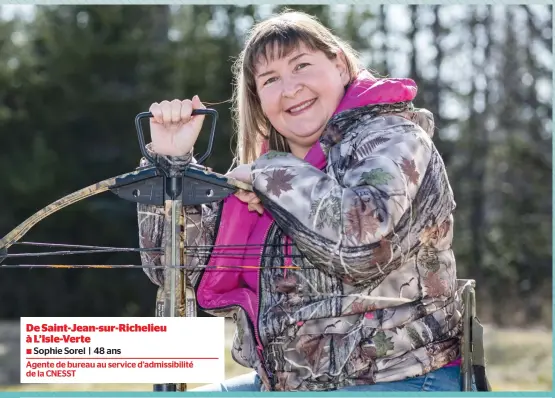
point(301, 66)
point(270, 80)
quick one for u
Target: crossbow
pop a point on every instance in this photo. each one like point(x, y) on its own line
point(155, 185)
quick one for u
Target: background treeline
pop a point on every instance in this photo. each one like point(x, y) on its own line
point(72, 79)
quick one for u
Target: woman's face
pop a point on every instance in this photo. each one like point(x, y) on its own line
point(299, 93)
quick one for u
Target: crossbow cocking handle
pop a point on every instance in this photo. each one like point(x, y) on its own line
point(160, 186)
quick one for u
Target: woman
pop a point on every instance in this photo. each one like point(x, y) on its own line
point(349, 191)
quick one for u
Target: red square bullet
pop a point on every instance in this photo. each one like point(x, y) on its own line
point(29, 351)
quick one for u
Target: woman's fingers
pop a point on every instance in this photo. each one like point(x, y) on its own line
point(251, 199)
point(173, 129)
point(246, 196)
point(156, 110)
point(256, 207)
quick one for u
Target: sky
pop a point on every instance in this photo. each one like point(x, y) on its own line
point(7, 11)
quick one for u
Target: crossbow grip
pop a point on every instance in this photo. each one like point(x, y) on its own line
point(141, 136)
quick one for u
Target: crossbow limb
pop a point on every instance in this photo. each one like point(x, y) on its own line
point(155, 185)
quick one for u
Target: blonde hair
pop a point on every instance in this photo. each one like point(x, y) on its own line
point(285, 31)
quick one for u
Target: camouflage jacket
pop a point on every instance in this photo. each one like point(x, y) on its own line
point(371, 293)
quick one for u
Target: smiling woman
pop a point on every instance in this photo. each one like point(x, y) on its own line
point(345, 277)
point(299, 93)
point(279, 61)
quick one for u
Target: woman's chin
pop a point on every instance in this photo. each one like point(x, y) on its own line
point(304, 141)
point(306, 132)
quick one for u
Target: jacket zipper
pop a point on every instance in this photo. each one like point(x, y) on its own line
point(259, 347)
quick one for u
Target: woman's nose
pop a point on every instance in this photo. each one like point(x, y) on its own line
point(291, 88)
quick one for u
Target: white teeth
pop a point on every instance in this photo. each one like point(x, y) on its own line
point(300, 108)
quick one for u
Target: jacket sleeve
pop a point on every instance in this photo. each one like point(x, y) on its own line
point(346, 220)
point(200, 223)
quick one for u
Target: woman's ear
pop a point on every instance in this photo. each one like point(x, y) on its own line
point(341, 65)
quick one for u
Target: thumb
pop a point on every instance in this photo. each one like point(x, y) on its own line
point(198, 119)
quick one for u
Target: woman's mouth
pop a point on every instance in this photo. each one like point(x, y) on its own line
point(300, 108)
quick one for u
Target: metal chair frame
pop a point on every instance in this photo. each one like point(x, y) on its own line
point(473, 366)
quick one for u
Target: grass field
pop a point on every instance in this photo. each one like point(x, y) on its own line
point(518, 360)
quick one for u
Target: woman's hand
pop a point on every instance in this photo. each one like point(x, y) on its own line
point(243, 173)
point(251, 199)
point(173, 129)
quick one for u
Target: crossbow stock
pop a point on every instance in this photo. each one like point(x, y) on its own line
point(155, 185)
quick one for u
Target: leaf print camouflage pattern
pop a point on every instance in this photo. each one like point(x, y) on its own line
point(275, 154)
point(279, 181)
point(376, 177)
point(366, 148)
point(372, 297)
point(434, 285)
point(326, 211)
point(409, 168)
point(362, 223)
point(382, 343)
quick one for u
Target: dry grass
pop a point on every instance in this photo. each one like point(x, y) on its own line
point(518, 360)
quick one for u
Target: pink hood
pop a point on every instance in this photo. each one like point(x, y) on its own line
point(242, 233)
